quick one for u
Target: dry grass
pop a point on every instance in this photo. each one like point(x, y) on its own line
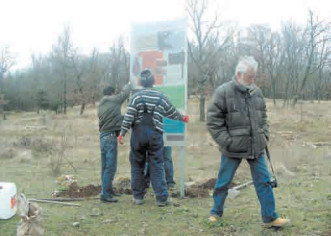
point(30, 141)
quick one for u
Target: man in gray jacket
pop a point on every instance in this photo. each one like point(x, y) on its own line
point(110, 121)
point(237, 121)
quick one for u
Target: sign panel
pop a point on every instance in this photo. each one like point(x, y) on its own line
point(162, 48)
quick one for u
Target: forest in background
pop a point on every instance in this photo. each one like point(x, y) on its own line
point(294, 64)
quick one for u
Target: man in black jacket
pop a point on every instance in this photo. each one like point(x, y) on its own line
point(110, 120)
point(237, 121)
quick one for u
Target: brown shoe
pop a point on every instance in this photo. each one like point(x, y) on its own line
point(214, 218)
point(279, 222)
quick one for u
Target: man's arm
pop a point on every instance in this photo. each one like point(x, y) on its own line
point(265, 121)
point(129, 117)
point(124, 94)
point(216, 123)
point(170, 111)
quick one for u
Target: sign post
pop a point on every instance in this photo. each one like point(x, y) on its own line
point(162, 48)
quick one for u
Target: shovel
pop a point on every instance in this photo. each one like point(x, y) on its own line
point(234, 192)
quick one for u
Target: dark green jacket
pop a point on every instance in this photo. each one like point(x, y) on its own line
point(109, 110)
point(237, 120)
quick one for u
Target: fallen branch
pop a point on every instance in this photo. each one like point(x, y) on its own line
point(53, 202)
point(62, 199)
point(319, 144)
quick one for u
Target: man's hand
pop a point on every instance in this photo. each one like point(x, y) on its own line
point(185, 118)
point(119, 139)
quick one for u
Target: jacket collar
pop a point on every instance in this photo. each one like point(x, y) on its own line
point(242, 88)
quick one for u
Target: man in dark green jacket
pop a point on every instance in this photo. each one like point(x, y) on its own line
point(110, 120)
point(237, 121)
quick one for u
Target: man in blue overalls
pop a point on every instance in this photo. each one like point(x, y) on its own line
point(145, 115)
point(168, 169)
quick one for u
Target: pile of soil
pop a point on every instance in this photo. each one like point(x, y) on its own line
point(202, 189)
point(194, 192)
point(123, 186)
point(75, 191)
point(198, 190)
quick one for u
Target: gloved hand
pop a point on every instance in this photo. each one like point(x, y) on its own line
point(119, 139)
point(185, 118)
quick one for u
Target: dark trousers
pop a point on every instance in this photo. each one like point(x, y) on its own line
point(168, 168)
point(147, 141)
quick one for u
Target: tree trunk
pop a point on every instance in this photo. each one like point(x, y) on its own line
point(82, 108)
point(65, 96)
point(202, 107)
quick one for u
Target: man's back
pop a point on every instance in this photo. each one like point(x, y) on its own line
point(155, 102)
point(109, 110)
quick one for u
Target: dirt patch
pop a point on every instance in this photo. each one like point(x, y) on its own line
point(200, 189)
point(75, 191)
point(196, 190)
point(122, 186)
point(208, 184)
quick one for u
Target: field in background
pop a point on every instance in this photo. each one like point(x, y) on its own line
point(36, 149)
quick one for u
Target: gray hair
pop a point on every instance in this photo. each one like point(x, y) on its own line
point(245, 63)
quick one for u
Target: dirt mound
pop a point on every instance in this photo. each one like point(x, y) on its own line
point(123, 186)
point(194, 192)
point(208, 184)
point(197, 190)
point(201, 188)
point(75, 191)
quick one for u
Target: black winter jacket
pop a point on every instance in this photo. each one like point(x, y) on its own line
point(237, 120)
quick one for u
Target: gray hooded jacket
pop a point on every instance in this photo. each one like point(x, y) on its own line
point(237, 120)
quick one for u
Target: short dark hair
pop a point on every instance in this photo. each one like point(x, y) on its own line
point(147, 78)
point(109, 90)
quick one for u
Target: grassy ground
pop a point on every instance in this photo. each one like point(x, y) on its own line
point(36, 149)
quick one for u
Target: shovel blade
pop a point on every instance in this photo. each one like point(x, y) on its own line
point(233, 193)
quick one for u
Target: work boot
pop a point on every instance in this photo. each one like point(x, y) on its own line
point(163, 203)
point(279, 222)
point(115, 194)
point(214, 218)
point(108, 199)
point(139, 201)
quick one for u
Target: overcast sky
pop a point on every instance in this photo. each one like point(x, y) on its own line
point(33, 26)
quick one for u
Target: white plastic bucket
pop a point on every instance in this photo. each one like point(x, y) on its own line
point(8, 205)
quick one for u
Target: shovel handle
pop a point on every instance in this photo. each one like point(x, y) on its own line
point(243, 185)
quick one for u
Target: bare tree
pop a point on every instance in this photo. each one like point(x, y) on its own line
point(6, 62)
point(264, 45)
point(316, 52)
point(205, 46)
point(62, 55)
point(118, 64)
point(292, 58)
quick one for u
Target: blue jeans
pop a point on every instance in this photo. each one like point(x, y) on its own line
point(168, 168)
point(108, 144)
point(146, 141)
point(261, 177)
